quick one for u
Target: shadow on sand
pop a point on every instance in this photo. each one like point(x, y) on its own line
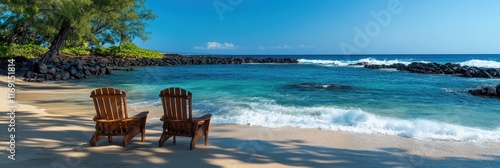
point(62, 141)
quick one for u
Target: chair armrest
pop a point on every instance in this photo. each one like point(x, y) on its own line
point(169, 120)
point(140, 115)
point(112, 121)
point(203, 118)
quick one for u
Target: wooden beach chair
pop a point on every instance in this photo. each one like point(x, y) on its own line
point(112, 117)
point(178, 117)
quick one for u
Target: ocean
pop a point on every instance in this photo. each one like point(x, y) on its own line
point(323, 92)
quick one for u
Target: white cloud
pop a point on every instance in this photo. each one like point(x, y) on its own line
point(215, 45)
point(286, 47)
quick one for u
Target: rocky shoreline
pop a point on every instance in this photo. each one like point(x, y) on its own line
point(435, 68)
point(449, 69)
point(82, 67)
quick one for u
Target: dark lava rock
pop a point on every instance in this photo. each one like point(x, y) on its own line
point(41, 68)
point(488, 91)
point(73, 67)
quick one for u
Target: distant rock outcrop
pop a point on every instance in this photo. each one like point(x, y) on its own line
point(81, 67)
point(448, 68)
point(488, 91)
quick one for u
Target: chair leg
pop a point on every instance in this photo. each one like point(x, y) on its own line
point(143, 129)
point(164, 137)
point(143, 135)
point(193, 143)
point(207, 125)
point(110, 139)
point(206, 138)
point(174, 139)
point(125, 141)
point(162, 140)
point(195, 139)
point(93, 140)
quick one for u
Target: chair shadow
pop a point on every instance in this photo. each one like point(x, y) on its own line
point(62, 141)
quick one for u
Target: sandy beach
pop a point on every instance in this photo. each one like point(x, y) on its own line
point(53, 130)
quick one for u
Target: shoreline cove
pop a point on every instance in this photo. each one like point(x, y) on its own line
point(63, 132)
point(315, 116)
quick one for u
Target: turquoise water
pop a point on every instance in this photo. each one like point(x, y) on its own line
point(368, 101)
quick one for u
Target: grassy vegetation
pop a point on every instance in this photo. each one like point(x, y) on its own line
point(29, 51)
point(76, 51)
point(127, 50)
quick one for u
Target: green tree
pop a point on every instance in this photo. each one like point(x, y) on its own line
point(69, 16)
point(132, 23)
point(126, 23)
point(20, 22)
point(99, 22)
point(72, 23)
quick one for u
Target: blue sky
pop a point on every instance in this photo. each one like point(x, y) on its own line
point(324, 26)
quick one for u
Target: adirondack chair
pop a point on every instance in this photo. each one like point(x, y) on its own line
point(112, 117)
point(178, 117)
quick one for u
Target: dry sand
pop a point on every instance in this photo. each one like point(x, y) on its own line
point(53, 129)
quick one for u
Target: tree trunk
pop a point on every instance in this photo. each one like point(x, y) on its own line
point(15, 32)
point(57, 42)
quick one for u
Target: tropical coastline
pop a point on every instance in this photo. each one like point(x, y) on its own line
point(56, 130)
point(232, 83)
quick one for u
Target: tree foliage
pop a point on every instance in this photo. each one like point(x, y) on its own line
point(127, 50)
point(23, 50)
point(72, 23)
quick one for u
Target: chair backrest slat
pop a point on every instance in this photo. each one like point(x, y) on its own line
point(176, 104)
point(184, 107)
point(110, 104)
point(178, 100)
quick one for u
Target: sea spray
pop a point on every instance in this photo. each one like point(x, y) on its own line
point(346, 119)
point(481, 63)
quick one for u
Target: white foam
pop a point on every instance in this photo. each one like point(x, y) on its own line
point(370, 61)
point(481, 63)
point(322, 62)
point(268, 114)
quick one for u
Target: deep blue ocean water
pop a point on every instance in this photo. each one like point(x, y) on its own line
point(365, 100)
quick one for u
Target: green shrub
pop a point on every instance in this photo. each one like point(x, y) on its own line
point(101, 51)
point(76, 51)
point(29, 51)
point(130, 50)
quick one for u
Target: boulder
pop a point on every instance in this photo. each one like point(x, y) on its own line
point(79, 75)
point(65, 76)
point(102, 70)
point(29, 75)
point(498, 89)
point(41, 68)
point(488, 91)
point(108, 71)
point(57, 76)
point(87, 73)
point(73, 71)
point(52, 71)
point(49, 77)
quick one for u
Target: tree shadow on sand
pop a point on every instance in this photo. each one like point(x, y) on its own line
point(62, 141)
